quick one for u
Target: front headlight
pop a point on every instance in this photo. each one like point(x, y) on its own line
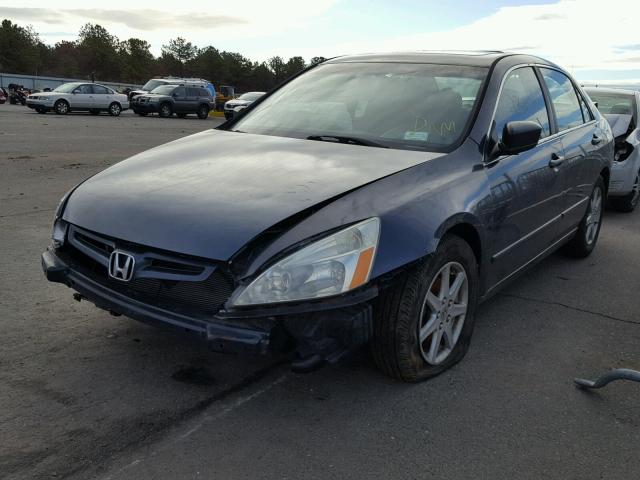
point(335, 264)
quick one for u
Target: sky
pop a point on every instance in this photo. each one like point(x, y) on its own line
point(596, 40)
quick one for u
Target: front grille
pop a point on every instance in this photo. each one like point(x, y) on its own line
point(172, 282)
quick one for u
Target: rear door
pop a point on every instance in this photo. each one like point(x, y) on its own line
point(102, 97)
point(526, 190)
point(193, 95)
point(581, 140)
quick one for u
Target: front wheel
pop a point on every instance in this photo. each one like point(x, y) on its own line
point(165, 110)
point(61, 107)
point(586, 237)
point(629, 202)
point(115, 109)
point(423, 324)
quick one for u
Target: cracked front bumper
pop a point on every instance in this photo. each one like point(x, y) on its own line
point(322, 329)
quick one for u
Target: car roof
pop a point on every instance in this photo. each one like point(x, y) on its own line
point(624, 91)
point(481, 58)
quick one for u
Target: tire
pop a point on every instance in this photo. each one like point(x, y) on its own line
point(165, 110)
point(203, 112)
point(586, 237)
point(404, 309)
point(629, 202)
point(61, 107)
point(115, 109)
point(94, 112)
point(181, 115)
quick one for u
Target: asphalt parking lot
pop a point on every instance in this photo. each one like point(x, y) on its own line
point(87, 395)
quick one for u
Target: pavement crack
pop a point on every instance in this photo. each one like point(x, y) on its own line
point(570, 307)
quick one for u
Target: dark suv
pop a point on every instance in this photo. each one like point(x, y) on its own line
point(179, 99)
point(328, 216)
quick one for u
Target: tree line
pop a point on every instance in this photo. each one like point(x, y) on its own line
point(98, 54)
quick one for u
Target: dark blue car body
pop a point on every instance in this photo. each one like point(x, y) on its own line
point(206, 214)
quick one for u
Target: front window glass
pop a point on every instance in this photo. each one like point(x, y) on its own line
point(66, 87)
point(613, 103)
point(151, 84)
point(564, 99)
point(84, 89)
point(405, 106)
point(521, 99)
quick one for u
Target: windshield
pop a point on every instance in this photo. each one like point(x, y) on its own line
point(151, 84)
point(164, 90)
point(617, 103)
point(66, 87)
point(251, 96)
point(406, 106)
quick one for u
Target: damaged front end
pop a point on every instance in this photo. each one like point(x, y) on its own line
point(197, 296)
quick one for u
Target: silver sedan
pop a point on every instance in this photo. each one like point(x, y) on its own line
point(77, 96)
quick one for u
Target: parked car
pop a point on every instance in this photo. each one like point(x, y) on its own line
point(158, 82)
point(166, 100)
point(3, 96)
point(237, 105)
point(330, 216)
point(78, 96)
point(622, 109)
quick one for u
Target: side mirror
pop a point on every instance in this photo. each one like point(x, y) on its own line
point(519, 137)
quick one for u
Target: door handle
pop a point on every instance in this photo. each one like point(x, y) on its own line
point(596, 139)
point(556, 160)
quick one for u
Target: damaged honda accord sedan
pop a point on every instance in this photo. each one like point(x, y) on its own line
point(371, 200)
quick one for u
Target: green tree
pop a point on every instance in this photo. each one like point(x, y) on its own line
point(19, 49)
point(98, 53)
point(138, 62)
point(317, 60)
point(181, 50)
point(278, 67)
point(294, 65)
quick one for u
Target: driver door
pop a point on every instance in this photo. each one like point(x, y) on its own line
point(82, 97)
point(527, 189)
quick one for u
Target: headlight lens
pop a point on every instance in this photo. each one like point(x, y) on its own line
point(333, 265)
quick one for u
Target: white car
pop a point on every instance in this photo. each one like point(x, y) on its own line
point(621, 108)
point(238, 104)
point(77, 96)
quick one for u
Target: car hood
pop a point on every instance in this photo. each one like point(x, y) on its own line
point(236, 103)
point(207, 195)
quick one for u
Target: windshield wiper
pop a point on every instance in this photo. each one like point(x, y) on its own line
point(345, 139)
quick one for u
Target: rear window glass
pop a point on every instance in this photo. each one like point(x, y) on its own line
point(613, 103)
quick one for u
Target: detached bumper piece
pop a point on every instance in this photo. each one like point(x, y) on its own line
point(612, 376)
point(314, 338)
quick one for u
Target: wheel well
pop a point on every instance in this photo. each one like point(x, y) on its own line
point(605, 174)
point(469, 234)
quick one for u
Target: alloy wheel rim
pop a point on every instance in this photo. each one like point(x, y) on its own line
point(636, 191)
point(63, 107)
point(115, 109)
point(443, 313)
point(595, 215)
